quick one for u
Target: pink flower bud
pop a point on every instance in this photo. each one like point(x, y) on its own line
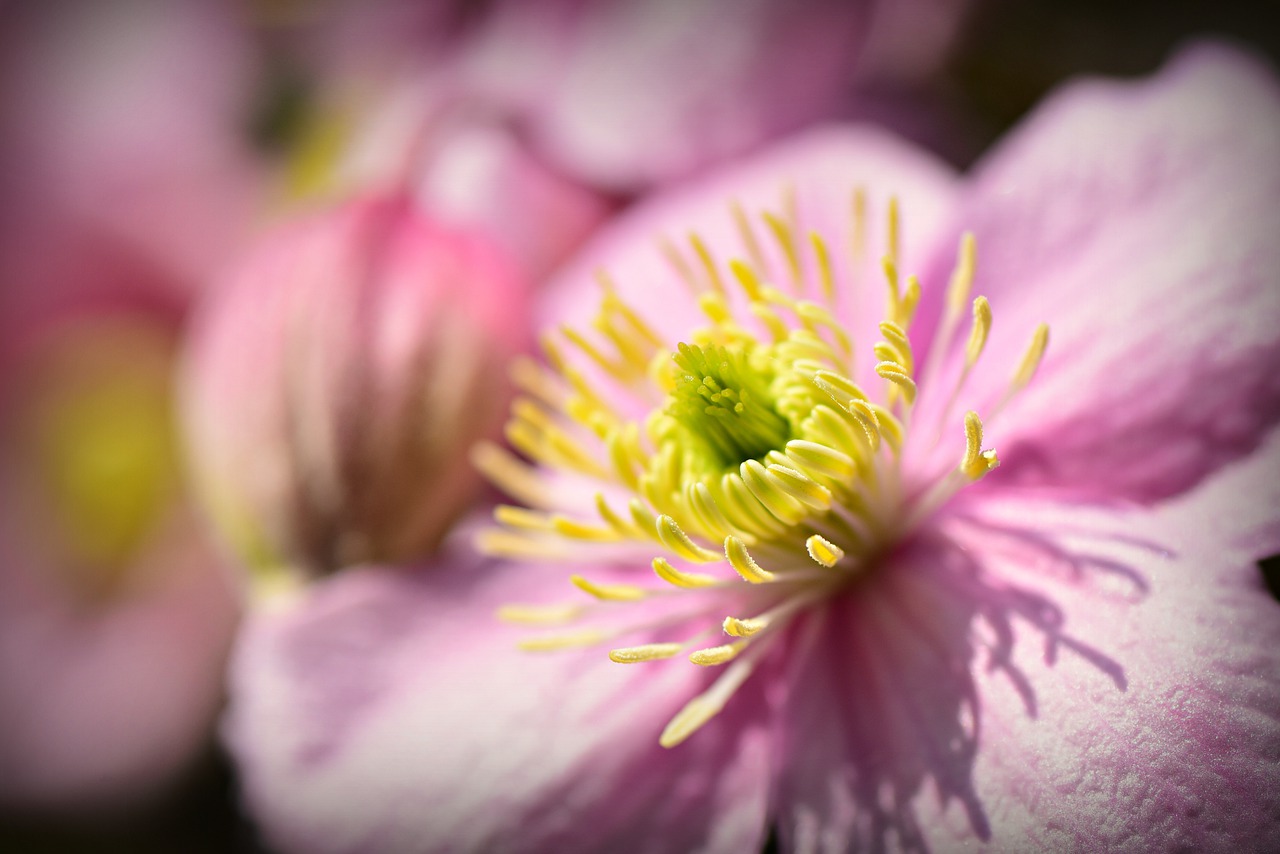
point(336, 384)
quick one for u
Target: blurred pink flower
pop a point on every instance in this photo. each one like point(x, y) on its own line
point(1076, 653)
point(126, 181)
point(531, 120)
point(336, 381)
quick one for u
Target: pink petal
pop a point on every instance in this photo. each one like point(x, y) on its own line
point(391, 712)
point(105, 703)
point(933, 719)
point(824, 166)
point(1138, 220)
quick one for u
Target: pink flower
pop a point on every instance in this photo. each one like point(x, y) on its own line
point(125, 180)
point(901, 646)
point(336, 381)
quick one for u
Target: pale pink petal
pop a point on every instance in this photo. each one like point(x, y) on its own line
point(1122, 693)
point(824, 167)
point(390, 712)
point(103, 704)
point(1139, 220)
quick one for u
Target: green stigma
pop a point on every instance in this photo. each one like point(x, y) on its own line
point(724, 404)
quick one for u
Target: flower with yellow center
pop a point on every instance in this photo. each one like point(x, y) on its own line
point(1073, 653)
point(757, 463)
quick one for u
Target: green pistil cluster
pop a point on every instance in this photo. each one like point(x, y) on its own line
point(724, 404)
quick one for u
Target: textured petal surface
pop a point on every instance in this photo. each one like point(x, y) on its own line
point(390, 712)
point(1139, 221)
point(1124, 674)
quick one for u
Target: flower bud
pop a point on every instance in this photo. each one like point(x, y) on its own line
point(335, 386)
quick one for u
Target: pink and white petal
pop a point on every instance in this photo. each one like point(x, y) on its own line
point(1158, 727)
point(881, 709)
point(824, 167)
point(1139, 221)
point(391, 712)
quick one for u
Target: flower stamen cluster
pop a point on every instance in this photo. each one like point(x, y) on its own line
point(761, 458)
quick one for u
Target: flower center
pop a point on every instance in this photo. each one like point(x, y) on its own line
point(761, 457)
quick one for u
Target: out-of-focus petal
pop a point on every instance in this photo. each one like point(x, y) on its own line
point(103, 705)
point(388, 712)
point(1139, 221)
point(362, 351)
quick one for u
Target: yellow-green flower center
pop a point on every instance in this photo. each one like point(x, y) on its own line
point(761, 456)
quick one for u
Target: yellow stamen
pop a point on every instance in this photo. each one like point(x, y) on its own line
point(893, 372)
point(742, 562)
point(609, 592)
point(744, 628)
point(1031, 360)
point(978, 334)
point(648, 652)
point(539, 615)
point(678, 541)
point(708, 263)
point(550, 643)
point(680, 578)
point(823, 550)
point(717, 654)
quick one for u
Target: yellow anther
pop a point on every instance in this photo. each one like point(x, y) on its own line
point(497, 542)
point(976, 462)
point(771, 320)
point(614, 368)
point(814, 315)
point(819, 459)
point(859, 223)
point(890, 428)
point(893, 372)
point(748, 279)
point(891, 279)
point(767, 492)
point(648, 652)
point(743, 563)
point(896, 337)
point(823, 256)
point(575, 530)
point(910, 299)
point(708, 263)
point(978, 335)
point(644, 518)
point(1031, 360)
point(867, 419)
point(962, 277)
point(894, 244)
point(707, 510)
point(799, 487)
point(782, 233)
point(530, 376)
point(678, 541)
point(539, 615)
point(549, 643)
point(823, 550)
point(744, 628)
point(717, 654)
point(831, 382)
point(748, 235)
point(680, 265)
point(744, 510)
point(690, 719)
point(609, 592)
point(680, 578)
point(715, 307)
point(521, 518)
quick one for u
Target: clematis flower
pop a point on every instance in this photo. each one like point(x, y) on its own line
point(337, 379)
point(125, 180)
point(763, 453)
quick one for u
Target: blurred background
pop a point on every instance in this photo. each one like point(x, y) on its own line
point(146, 148)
